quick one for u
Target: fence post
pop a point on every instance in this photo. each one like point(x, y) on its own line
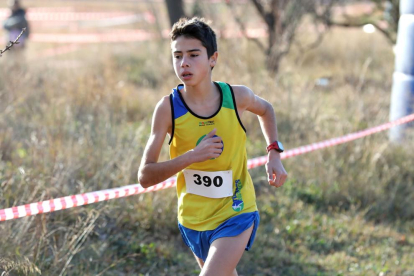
point(402, 97)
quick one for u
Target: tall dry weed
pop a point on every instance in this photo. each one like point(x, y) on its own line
point(79, 128)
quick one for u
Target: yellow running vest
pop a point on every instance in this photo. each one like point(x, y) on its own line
point(205, 213)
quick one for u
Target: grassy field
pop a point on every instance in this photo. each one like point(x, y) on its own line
point(79, 122)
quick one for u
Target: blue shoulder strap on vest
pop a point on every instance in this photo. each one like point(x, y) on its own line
point(178, 106)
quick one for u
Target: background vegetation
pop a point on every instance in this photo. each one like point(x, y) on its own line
point(79, 122)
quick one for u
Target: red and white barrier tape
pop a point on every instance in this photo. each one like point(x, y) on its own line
point(74, 16)
point(92, 197)
point(80, 199)
point(122, 36)
point(41, 9)
point(260, 161)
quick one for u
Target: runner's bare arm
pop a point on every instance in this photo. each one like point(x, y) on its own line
point(246, 100)
point(151, 171)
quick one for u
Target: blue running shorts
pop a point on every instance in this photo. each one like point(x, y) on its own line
point(200, 241)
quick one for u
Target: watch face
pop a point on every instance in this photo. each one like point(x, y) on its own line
point(280, 145)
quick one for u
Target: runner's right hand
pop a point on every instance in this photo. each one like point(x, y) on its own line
point(209, 148)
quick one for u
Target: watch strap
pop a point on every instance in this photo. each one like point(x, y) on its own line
point(276, 145)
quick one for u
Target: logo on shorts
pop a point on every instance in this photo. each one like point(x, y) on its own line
point(238, 203)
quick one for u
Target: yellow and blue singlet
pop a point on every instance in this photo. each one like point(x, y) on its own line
point(203, 213)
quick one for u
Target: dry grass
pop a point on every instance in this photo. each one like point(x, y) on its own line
point(79, 122)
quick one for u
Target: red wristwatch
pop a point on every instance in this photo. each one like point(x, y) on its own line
point(276, 145)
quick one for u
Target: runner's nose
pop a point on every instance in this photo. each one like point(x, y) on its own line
point(184, 62)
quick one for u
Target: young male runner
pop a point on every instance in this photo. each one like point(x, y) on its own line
point(217, 210)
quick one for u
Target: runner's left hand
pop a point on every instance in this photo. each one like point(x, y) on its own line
point(275, 171)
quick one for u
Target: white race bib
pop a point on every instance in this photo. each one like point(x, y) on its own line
point(209, 184)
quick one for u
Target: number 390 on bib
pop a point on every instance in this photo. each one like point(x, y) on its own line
point(217, 184)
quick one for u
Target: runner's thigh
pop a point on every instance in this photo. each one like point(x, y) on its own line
point(225, 253)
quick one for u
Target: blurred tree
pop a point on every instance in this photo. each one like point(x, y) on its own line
point(175, 10)
point(384, 15)
point(282, 18)
point(197, 8)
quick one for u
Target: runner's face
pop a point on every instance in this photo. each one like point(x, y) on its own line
point(191, 63)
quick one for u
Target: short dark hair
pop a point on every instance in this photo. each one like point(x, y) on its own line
point(196, 28)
